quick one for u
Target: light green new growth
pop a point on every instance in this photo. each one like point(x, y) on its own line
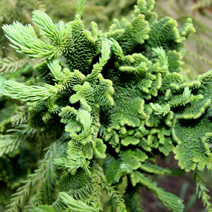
point(106, 105)
point(159, 110)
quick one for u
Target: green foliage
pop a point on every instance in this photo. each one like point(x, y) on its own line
point(198, 52)
point(201, 190)
point(171, 201)
point(45, 173)
point(105, 105)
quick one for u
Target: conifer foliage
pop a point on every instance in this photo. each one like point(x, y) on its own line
point(112, 102)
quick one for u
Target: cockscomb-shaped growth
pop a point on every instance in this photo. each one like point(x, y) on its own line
point(112, 102)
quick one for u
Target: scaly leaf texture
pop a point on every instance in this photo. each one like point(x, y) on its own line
point(112, 102)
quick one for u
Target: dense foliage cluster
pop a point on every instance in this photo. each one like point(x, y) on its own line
point(104, 106)
point(199, 48)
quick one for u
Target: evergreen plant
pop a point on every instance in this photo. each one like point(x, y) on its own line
point(103, 106)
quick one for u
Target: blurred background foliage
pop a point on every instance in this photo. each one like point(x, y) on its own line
point(197, 60)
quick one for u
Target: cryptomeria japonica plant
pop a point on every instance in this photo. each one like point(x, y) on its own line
point(110, 104)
